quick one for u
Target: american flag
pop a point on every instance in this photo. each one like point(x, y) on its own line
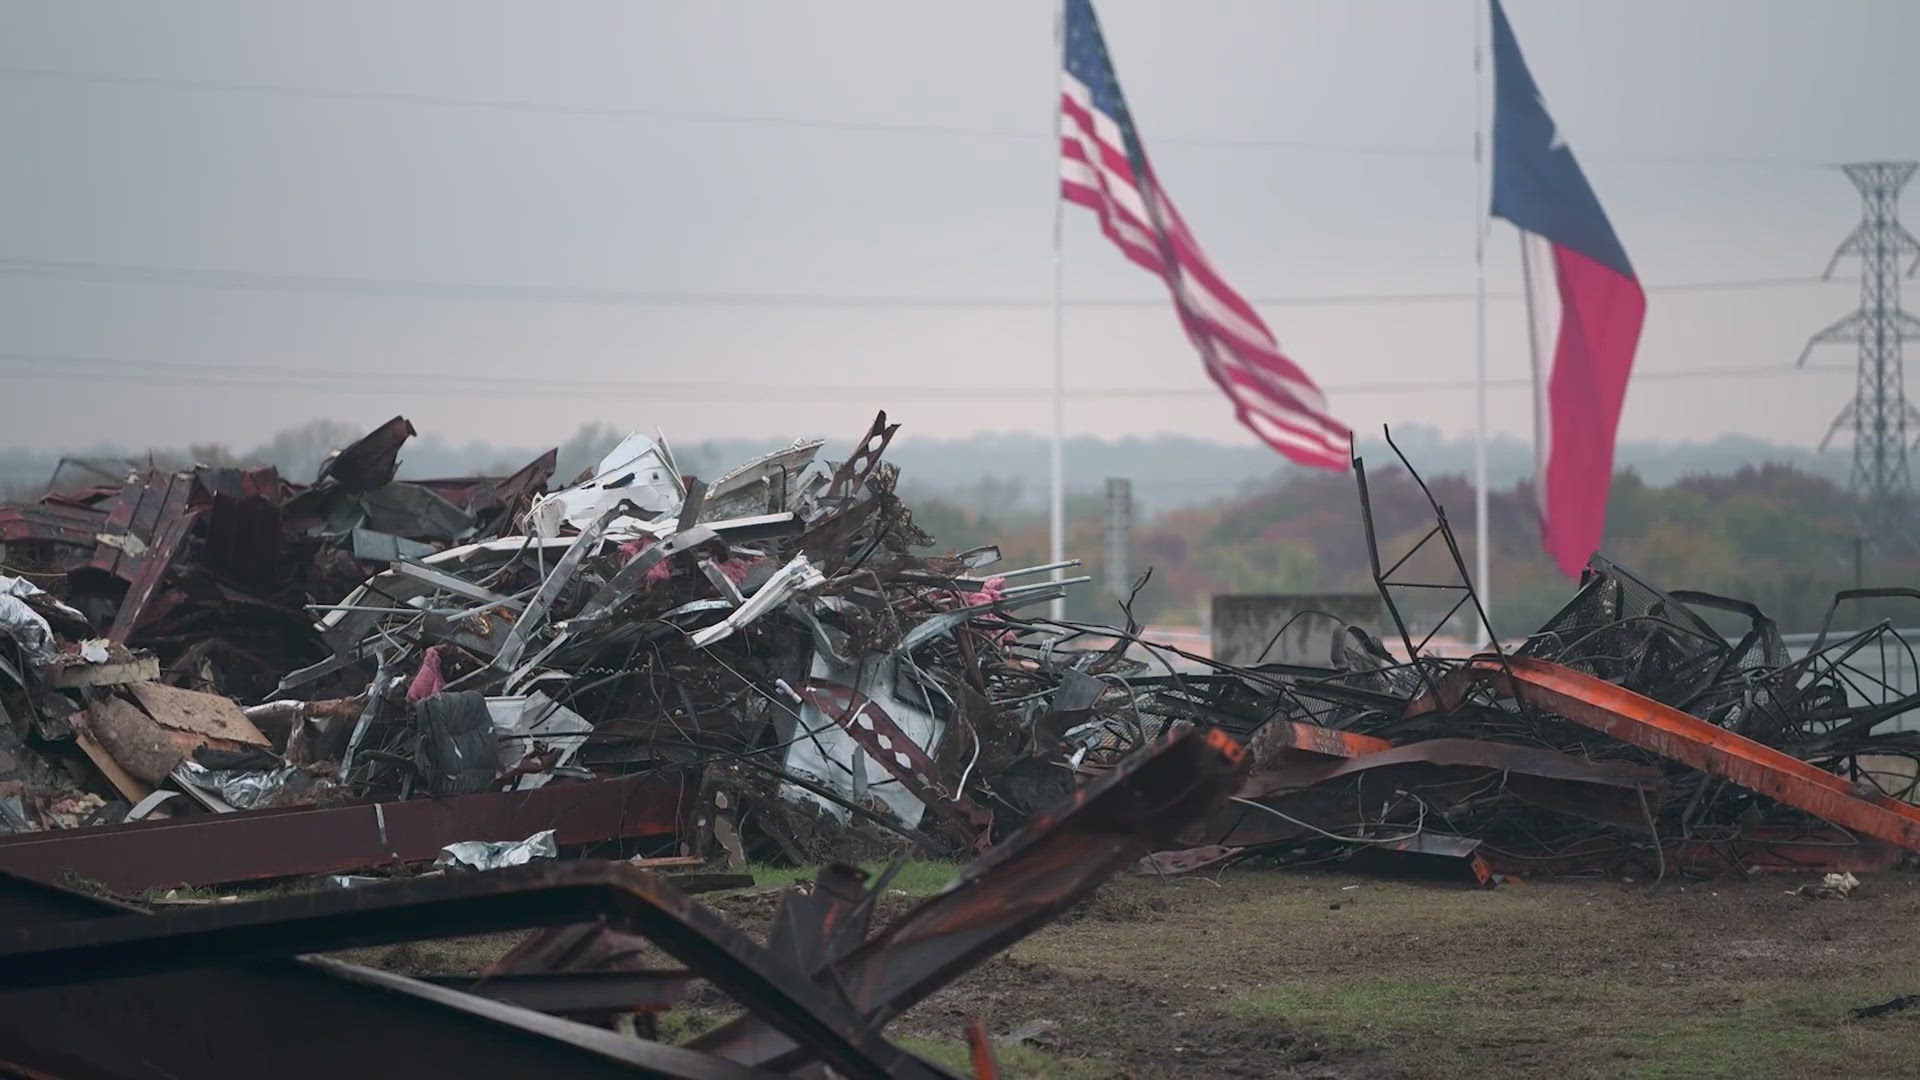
point(1103, 167)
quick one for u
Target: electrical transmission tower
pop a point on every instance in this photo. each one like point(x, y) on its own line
point(1879, 414)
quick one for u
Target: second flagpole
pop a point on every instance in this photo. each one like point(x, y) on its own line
point(1483, 539)
point(1057, 505)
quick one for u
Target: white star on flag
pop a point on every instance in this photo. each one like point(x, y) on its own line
point(1554, 141)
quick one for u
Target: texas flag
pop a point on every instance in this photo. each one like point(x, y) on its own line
point(1584, 305)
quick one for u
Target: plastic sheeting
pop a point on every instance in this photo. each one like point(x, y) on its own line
point(495, 854)
point(232, 789)
point(19, 621)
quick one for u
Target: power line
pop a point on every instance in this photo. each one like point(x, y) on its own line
point(58, 367)
point(863, 127)
point(110, 273)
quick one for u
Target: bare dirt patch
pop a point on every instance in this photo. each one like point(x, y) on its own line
point(1568, 978)
point(1269, 973)
point(1126, 1028)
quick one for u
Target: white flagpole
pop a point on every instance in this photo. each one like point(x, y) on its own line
point(1483, 539)
point(1058, 503)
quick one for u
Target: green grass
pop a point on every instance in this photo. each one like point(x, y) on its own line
point(1626, 1029)
point(683, 1024)
point(920, 877)
point(1016, 1062)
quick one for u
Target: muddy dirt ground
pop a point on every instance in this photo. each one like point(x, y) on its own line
point(1265, 973)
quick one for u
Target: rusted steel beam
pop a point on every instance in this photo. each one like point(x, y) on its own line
point(1281, 746)
point(1295, 736)
point(552, 894)
point(231, 1023)
point(258, 844)
point(1053, 862)
point(1279, 753)
point(1329, 792)
point(1609, 791)
point(1643, 722)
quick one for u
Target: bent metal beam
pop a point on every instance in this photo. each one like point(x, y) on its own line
point(1632, 718)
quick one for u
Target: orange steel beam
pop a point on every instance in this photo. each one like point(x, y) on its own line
point(1646, 723)
point(1280, 745)
point(985, 1065)
point(1277, 735)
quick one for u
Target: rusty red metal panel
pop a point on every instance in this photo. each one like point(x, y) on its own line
point(135, 515)
point(52, 523)
point(148, 572)
point(253, 845)
point(145, 526)
point(1646, 723)
point(119, 511)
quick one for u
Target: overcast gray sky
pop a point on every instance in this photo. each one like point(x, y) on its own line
point(500, 271)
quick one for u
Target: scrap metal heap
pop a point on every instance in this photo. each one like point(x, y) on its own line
point(762, 668)
point(208, 992)
point(759, 667)
point(1625, 736)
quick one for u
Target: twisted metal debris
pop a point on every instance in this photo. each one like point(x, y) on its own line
point(773, 654)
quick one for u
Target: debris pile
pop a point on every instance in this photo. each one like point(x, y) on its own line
point(276, 679)
point(763, 661)
point(206, 991)
point(1626, 736)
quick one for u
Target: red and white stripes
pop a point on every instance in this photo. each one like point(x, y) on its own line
point(1272, 396)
